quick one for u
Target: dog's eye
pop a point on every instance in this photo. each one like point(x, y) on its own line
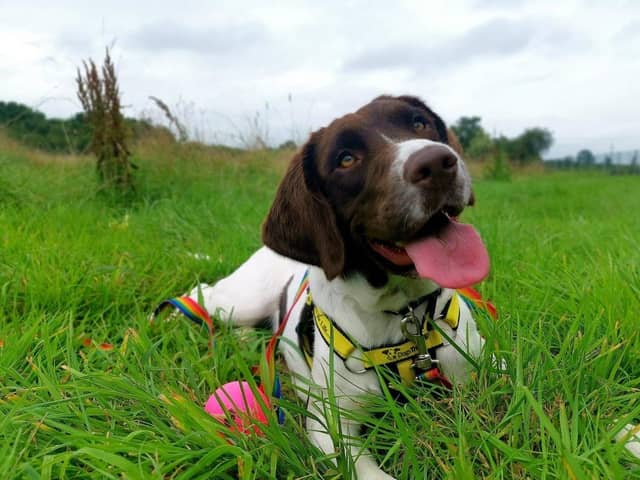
point(419, 122)
point(346, 159)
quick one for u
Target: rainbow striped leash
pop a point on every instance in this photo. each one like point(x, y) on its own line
point(199, 315)
point(272, 377)
point(476, 303)
point(190, 309)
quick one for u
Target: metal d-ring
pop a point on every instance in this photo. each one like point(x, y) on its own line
point(353, 370)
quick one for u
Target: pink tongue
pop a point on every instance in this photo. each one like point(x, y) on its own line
point(455, 258)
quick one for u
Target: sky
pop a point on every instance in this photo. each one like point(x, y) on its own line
point(282, 69)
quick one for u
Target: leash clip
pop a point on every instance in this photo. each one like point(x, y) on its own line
point(412, 330)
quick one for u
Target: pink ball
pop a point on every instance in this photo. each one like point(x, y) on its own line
point(237, 402)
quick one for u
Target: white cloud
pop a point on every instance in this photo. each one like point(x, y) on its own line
point(226, 39)
point(568, 66)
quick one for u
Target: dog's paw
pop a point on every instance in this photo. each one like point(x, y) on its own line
point(499, 364)
point(630, 435)
point(367, 469)
point(197, 291)
point(378, 475)
point(167, 312)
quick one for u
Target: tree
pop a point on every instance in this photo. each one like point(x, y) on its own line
point(32, 128)
point(466, 129)
point(288, 145)
point(480, 147)
point(70, 135)
point(633, 166)
point(529, 145)
point(585, 158)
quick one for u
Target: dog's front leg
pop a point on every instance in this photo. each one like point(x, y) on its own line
point(253, 292)
point(332, 412)
point(365, 466)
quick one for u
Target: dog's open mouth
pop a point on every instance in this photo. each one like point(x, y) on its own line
point(446, 251)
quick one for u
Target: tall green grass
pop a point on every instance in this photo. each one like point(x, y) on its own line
point(79, 268)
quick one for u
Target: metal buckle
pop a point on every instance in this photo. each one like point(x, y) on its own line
point(423, 360)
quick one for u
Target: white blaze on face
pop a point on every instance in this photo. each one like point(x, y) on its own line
point(412, 194)
point(408, 147)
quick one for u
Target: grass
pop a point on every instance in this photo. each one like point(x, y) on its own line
point(80, 268)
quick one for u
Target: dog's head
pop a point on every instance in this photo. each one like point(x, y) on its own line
point(377, 191)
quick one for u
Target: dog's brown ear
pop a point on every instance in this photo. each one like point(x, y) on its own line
point(454, 142)
point(301, 224)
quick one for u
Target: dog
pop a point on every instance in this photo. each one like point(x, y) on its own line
point(365, 221)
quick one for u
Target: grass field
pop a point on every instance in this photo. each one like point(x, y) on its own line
point(79, 268)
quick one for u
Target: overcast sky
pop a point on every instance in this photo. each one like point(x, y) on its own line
point(572, 66)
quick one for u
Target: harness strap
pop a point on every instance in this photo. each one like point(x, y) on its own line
point(332, 334)
point(430, 299)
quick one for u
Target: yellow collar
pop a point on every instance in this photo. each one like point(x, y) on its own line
point(400, 354)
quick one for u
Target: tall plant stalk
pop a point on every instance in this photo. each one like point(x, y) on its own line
point(100, 99)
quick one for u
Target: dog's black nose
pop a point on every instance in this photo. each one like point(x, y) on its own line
point(432, 164)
